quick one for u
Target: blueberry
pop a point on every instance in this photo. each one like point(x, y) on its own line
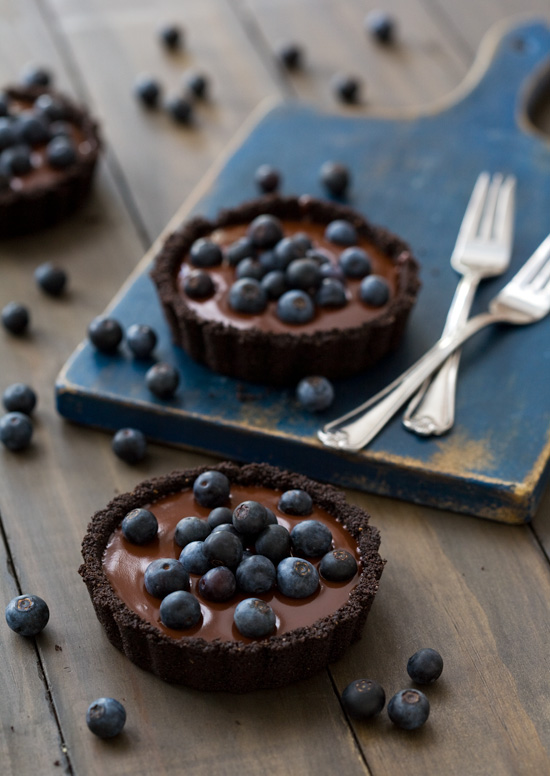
point(106, 717)
point(247, 296)
point(16, 160)
point(27, 615)
point(290, 55)
point(35, 75)
point(331, 292)
point(374, 290)
point(140, 526)
point(274, 284)
point(218, 584)
point(338, 565)
point(8, 136)
point(147, 90)
point(254, 618)
point(61, 152)
point(311, 538)
point(223, 548)
point(211, 489)
point(267, 178)
point(302, 242)
point(164, 576)
point(31, 129)
point(220, 516)
point(265, 231)
point(255, 575)
point(303, 273)
point(191, 529)
point(296, 502)
point(274, 543)
point(141, 339)
point(105, 334)
point(355, 262)
point(179, 108)
point(287, 250)
point(171, 36)
point(50, 108)
point(295, 307)
point(409, 709)
point(425, 666)
point(268, 260)
point(198, 284)
point(60, 129)
point(193, 559)
point(230, 528)
point(335, 177)
point(19, 397)
point(130, 445)
point(380, 25)
point(239, 250)
point(197, 84)
point(162, 379)
point(297, 578)
point(341, 232)
point(15, 317)
point(363, 698)
point(315, 394)
point(180, 610)
point(250, 517)
point(15, 431)
point(321, 255)
point(51, 279)
point(249, 268)
point(205, 253)
point(347, 88)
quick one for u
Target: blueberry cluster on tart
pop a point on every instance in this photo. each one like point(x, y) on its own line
point(48, 152)
point(232, 577)
point(284, 287)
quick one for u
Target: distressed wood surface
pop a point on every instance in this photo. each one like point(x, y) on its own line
point(477, 591)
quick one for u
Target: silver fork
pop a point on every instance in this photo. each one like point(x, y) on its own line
point(483, 249)
point(525, 299)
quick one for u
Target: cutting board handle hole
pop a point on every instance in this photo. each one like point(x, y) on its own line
point(537, 102)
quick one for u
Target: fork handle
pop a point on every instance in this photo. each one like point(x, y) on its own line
point(432, 408)
point(370, 418)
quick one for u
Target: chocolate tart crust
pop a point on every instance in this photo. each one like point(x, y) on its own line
point(280, 358)
point(232, 666)
point(43, 205)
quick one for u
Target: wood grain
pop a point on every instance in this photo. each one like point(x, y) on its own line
point(479, 592)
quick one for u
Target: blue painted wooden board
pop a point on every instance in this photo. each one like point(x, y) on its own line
point(413, 175)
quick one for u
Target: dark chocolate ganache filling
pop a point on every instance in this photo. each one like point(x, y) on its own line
point(354, 313)
point(125, 564)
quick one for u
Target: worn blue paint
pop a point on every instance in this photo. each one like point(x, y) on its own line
point(415, 177)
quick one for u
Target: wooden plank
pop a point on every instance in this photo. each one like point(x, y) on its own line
point(161, 162)
point(480, 594)
point(30, 740)
point(422, 66)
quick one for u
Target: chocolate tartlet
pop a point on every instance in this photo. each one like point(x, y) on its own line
point(44, 183)
point(310, 633)
point(338, 341)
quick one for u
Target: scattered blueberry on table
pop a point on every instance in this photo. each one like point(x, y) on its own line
point(380, 25)
point(19, 397)
point(409, 709)
point(315, 393)
point(15, 318)
point(171, 36)
point(179, 108)
point(130, 445)
point(16, 431)
point(425, 666)
point(106, 717)
point(162, 379)
point(347, 88)
point(27, 615)
point(50, 278)
point(290, 55)
point(363, 698)
point(141, 340)
point(148, 90)
point(197, 84)
point(335, 178)
point(35, 75)
point(267, 178)
point(105, 334)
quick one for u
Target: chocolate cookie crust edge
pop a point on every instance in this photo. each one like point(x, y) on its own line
point(280, 358)
point(232, 666)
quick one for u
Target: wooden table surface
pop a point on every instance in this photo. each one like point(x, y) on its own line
point(477, 591)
